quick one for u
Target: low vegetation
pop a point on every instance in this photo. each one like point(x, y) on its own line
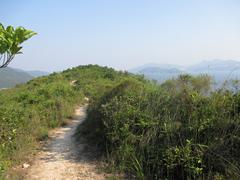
point(28, 111)
point(181, 129)
point(178, 130)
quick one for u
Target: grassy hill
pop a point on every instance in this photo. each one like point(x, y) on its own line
point(29, 110)
point(178, 130)
point(10, 77)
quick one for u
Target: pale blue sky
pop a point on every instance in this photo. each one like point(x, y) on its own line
point(124, 33)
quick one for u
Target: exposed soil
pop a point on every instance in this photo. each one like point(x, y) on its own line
point(65, 158)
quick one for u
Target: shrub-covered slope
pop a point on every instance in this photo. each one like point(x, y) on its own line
point(178, 130)
point(29, 110)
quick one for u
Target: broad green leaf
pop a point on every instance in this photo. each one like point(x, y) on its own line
point(11, 39)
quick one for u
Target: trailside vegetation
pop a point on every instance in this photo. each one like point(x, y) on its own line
point(29, 110)
point(181, 129)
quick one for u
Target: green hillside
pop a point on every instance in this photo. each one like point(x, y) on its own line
point(10, 77)
point(177, 130)
point(29, 110)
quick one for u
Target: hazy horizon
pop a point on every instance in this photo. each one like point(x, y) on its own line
point(123, 34)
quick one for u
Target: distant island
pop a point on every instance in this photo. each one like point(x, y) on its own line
point(220, 70)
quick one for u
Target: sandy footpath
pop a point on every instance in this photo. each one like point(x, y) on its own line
point(65, 158)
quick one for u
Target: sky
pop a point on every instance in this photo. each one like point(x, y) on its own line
point(123, 34)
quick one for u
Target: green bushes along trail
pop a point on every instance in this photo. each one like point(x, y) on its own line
point(180, 129)
point(177, 130)
point(29, 110)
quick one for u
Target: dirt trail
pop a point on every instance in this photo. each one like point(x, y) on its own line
point(64, 157)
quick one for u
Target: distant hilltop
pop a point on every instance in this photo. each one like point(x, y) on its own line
point(10, 77)
point(215, 65)
point(219, 69)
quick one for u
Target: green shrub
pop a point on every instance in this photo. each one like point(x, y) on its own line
point(29, 110)
point(179, 130)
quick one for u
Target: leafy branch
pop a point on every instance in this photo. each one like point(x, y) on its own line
point(10, 42)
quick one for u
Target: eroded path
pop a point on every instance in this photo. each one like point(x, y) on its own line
point(64, 157)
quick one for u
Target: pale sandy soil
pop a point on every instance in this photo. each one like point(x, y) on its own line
point(65, 158)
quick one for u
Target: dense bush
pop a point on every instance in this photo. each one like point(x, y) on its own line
point(178, 130)
point(181, 129)
point(29, 110)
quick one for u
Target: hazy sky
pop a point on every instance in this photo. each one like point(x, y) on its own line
point(124, 33)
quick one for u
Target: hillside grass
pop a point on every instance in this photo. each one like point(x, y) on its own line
point(178, 130)
point(181, 129)
point(28, 111)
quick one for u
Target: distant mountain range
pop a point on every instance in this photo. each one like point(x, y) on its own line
point(149, 65)
point(220, 70)
point(37, 73)
point(9, 77)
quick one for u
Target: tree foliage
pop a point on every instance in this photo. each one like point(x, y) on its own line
point(10, 42)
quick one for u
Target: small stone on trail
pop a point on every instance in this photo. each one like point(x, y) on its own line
point(86, 99)
point(25, 165)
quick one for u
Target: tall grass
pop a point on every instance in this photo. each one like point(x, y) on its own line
point(179, 130)
point(26, 114)
point(28, 111)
